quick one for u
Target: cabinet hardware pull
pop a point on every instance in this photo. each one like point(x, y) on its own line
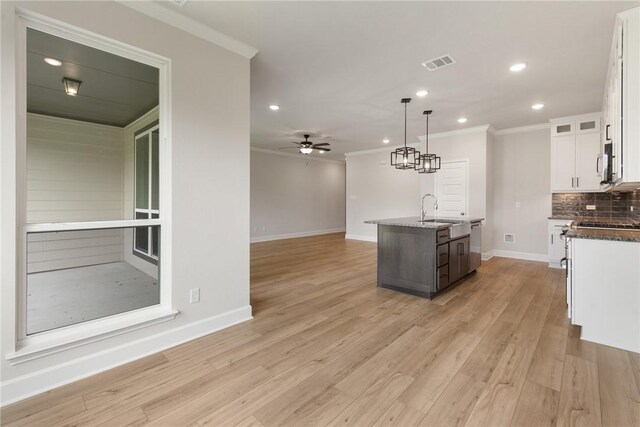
point(598, 163)
point(578, 182)
point(552, 239)
point(606, 131)
point(572, 180)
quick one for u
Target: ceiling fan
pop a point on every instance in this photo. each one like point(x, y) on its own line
point(307, 147)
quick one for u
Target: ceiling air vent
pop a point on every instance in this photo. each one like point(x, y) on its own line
point(439, 62)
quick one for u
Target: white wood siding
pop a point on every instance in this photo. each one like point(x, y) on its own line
point(75, 172)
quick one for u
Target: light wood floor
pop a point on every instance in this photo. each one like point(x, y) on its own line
point(327, 347)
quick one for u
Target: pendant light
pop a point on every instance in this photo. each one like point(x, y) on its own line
point(405, 157)
point(428, 163)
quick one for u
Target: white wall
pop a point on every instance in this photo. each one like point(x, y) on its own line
point(522, 174)
point(74, 173)
point(375, 190)
point(210, 200)
point(294, 196)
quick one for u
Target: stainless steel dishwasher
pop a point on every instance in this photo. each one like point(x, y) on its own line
point(475, 246)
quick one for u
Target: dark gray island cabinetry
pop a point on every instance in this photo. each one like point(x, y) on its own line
point(425, 257)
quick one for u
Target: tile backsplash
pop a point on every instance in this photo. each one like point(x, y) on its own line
point(615, 204)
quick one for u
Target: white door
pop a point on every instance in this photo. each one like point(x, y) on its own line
point(452, 189)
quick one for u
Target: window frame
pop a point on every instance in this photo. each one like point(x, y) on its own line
point(146, 131)
point(42, 344)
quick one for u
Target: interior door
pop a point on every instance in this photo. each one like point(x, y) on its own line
point(452, 189)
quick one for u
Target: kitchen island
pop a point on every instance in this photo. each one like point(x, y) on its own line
point(426, 257)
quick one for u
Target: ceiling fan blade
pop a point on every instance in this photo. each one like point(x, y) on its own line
point(322, 143)
point(288, 148)
point(323, 149)
point(297, 143)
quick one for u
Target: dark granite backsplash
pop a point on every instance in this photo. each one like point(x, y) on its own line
point(616, 205)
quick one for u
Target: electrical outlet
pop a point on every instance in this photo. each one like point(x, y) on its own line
point(517, 204)
point(631, 207)
point(591, 207)
point(194, 295)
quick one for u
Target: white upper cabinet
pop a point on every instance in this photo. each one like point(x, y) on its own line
point(621, 102)
point(576, 154)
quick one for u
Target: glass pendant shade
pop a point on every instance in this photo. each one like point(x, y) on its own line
point(71, 87)
point(405, 157)
point(428, 163)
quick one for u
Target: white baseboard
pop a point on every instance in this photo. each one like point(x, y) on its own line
point(486, 256)
point(359, 237)
point(43, 380)
point(521, 255)
point(294, 235)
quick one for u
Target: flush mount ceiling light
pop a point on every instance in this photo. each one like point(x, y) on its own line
point(385, 141)
point(53, 61)
point(71, 87)
point(306, 150)
point(518, 67)
point(537, 106)
point(462, 120)
point(405, 157)
point(428, 163)
point(274, 107)
point(422, 93)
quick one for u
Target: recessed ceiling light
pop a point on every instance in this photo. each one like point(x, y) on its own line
point(385, 141)
point(537, 106)
point(53, 61)
point(422, 93)
point(462, 120)
point(274, 107)
point(518, 67)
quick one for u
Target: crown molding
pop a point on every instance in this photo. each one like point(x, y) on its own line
point(296, 156)
point(465, 131)
point(523, 129)
point(188, 25)
point(576, 117)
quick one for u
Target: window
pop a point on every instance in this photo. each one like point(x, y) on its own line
point(145, 240)
point(88, 188)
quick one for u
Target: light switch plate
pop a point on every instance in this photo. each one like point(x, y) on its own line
point(194, 295)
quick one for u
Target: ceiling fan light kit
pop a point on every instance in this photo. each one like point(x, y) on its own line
point(428, 163)
point(405, 157)
point(306, 147)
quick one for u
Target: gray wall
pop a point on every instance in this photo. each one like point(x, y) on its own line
point(210, 198)
point(521, 173)
point(294, 196)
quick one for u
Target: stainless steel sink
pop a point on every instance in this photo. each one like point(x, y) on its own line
point(460, 229)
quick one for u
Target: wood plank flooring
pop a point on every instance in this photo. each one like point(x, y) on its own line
point(326, 347)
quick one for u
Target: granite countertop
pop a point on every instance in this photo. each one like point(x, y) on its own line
point(617, 232)
point(605, 234)
point(414, 221)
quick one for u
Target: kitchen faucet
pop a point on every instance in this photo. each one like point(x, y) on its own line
point(435, 206)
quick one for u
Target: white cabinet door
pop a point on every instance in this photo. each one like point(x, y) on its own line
point(587, 162)
point(556, 242)
point(563, 166)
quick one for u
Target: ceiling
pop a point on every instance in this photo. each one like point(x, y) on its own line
point(114, 91)
point(339, 69)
